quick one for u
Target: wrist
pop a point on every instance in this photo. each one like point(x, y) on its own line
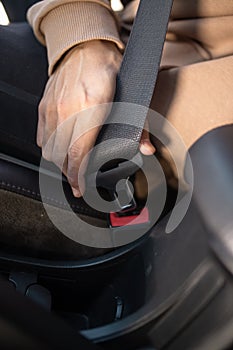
point(104, 51)
point(75, 23)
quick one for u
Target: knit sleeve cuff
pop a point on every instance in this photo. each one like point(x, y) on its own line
point(73, 23)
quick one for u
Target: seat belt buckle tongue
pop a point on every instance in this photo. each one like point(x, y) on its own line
point(109, 178)
point(116, 181)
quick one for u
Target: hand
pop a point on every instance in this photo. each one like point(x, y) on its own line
point(86, 77)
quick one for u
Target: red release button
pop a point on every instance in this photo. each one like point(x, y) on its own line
point(142, 218)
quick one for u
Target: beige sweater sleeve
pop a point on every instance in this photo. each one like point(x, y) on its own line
point(62, 24)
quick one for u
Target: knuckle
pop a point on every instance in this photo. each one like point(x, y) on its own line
point(50, 109)
point(75, 152)
point(46, 107)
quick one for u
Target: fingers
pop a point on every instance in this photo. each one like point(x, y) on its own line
point(86, 77)
point(79, 152)
point(77, 161)
point(145, 146)
point(47, 121)
point(85, 131)
point(40, 126)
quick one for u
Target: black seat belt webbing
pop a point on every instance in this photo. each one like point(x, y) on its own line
point(136, 79)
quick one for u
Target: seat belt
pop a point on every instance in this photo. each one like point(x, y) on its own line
point(135, 84)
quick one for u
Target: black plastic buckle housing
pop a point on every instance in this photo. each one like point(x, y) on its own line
point(116, 182)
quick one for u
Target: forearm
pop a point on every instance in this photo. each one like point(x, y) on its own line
point(62, 24)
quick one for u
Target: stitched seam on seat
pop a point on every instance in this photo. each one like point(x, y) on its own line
point(19, 188)
point(15, 188)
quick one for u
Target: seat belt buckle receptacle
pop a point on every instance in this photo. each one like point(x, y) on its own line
point(116, 181)
point(130, 213)
point(131, 218)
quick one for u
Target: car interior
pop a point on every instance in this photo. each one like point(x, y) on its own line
point(160, 291)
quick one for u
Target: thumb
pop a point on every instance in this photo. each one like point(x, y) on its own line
point(145, 145)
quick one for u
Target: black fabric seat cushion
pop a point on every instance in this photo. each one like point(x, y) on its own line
point(26, 230)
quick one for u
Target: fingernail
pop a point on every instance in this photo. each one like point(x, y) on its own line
point(76, 192)
point(147, 148)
